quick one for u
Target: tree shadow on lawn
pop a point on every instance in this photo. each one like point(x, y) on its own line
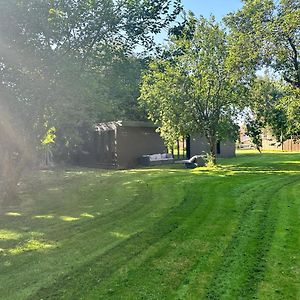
point(20, 222)
point(30, 229)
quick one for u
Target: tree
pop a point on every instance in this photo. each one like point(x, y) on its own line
point(192, 88)
point(290, 104)
point(254, 128)
point(15, 155)
point(64, 64)
point(266, 34)
point(272, 105)
point(88, 29)
point(266, 111)
point(73, 61)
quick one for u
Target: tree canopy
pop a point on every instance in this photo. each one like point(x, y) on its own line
point(65, 65)
point(266, 33)
point(266, 110)
point(192, 88)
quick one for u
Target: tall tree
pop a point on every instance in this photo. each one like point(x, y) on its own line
point(266, 33)
point(290, 104)
point(265, 110)
point(63, 64)
point(193, 88)
point(88, 28)
point(15, 153)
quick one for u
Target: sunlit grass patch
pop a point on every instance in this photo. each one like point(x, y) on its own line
point(87, 215)
point(69, 218)
point(231, 232)
point(120, 235)
point(54, 189)
point(9, 235)
point(43, 217)
point(296, 162)
point(13, 214)
point(33, 245)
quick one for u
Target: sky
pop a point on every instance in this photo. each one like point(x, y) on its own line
point(218, 8)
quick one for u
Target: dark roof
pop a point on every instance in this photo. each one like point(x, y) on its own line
point(113, 125)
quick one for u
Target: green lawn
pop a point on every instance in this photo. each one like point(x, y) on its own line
point(168, 233)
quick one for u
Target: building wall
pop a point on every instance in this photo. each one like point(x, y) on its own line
point(199, 145)
point(269, 142)
point(130, 140)
point(271, 145)
point(227, 149)
point(133, 142)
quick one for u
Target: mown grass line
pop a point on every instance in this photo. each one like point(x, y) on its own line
point(194, 223)
point(154, 262)
point(197, 278)
point(282, 280)
point(92, 273)
point(86, 239)
point(132, 209)
point(228, 233)
point(244, 260)
point(184, 247)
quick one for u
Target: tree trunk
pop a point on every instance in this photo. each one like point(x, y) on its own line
point(258, 148)
point(212, 141)
point(12, 170)
point(14, 157)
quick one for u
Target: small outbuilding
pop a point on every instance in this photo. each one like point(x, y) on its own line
point(123, 145)
point(199, 144)
point(120, 144)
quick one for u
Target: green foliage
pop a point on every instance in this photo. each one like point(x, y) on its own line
point(91, 29)
point(254, 131)
point(267, 34)
point(209, 160)
point(72, 63)
point(49, 137)
point(290, 104)
point(193, 88)
point(273, 105)
point(266, 110)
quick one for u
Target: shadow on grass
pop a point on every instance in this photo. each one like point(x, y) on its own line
point(18, 221)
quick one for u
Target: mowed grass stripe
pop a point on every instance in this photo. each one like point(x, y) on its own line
point(244, 259)
point(188, 256)
point(82, 241)
point(237, 196)
point(163, 264)
point(90, 275)
point(282, 276)
point(224, 233)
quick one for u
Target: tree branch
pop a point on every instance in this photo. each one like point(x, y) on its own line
point(296, 64)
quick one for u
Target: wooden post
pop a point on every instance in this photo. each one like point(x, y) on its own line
point(188, 147)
